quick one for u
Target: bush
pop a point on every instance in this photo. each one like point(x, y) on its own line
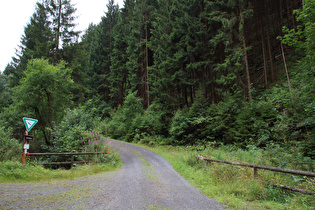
point(153, 122)
point(10, 148)
point(97, 108)
point(75, 129)
point(122, 119)
point(75, 126)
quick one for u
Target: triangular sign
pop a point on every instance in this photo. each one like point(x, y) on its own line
point(29, 123)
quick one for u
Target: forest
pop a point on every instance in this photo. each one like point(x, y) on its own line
point(169, 72)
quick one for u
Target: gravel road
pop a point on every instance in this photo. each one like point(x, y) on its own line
point(145, 181)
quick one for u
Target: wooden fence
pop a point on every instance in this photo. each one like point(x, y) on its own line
point(72, 154)
point(255, 167)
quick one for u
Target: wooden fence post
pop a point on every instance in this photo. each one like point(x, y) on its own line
point(255, 173)
point(72, 160)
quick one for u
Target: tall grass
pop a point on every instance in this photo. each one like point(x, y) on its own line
point(11, 171)
point(235, 186)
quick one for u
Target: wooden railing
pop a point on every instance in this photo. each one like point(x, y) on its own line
point(255, 167)
point(72, 154)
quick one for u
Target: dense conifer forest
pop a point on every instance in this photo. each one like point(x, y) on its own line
point(178, 72)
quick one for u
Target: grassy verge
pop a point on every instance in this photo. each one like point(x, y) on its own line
point(31, 172)
point(234, 186)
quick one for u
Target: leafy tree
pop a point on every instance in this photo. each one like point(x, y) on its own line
point(303, 36)
point(45, 90)
point(298, 104)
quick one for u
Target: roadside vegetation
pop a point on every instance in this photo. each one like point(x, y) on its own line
point(75, 132)
point(234, 186)
point(15, 172)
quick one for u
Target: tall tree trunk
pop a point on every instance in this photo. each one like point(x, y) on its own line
point(192, 88)
point(269, 16)
point(291, 19)
point(270, 56)
point(42, 126)
point(147, 61)
point(213, 88)
point(265, 58)
point(286, 68)
point(58, 30)
point(186, 96)
point(246, 58)
point(50, 110)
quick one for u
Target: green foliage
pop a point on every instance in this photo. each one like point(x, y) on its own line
point(96, 143)
point(179, 127)
point(98, 108)
point(45, 91)
point(295, 124)
point(73, 130)
point(76, 133)
point(10, 148)
point(61, 22)
point(299, 104)
point(11, 119)
point(303, 36)
point(122, 119)
point(5, 92)
point(98, 45)
point(229, 122)
point(151, 124)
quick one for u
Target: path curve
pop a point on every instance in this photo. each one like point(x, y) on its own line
point(145, 181)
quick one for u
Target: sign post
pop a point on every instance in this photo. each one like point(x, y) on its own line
point(29, 124)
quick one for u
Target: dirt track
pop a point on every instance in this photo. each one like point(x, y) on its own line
point(145, 181)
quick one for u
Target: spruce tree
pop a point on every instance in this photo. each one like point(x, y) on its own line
point(118, 71)
point(100, 46)
point(181, 52)
point(36, 42)
point(61, 21)
point(139, 56)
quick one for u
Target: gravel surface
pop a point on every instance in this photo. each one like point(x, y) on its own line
point(145, 181)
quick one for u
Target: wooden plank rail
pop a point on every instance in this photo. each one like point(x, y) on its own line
point(255, 167)
point(66, 153)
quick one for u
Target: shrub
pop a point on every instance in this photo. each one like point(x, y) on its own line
point(70, 134)
point(73, 127)
point(10, 148)
point(153, 122)
point(122, 119)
